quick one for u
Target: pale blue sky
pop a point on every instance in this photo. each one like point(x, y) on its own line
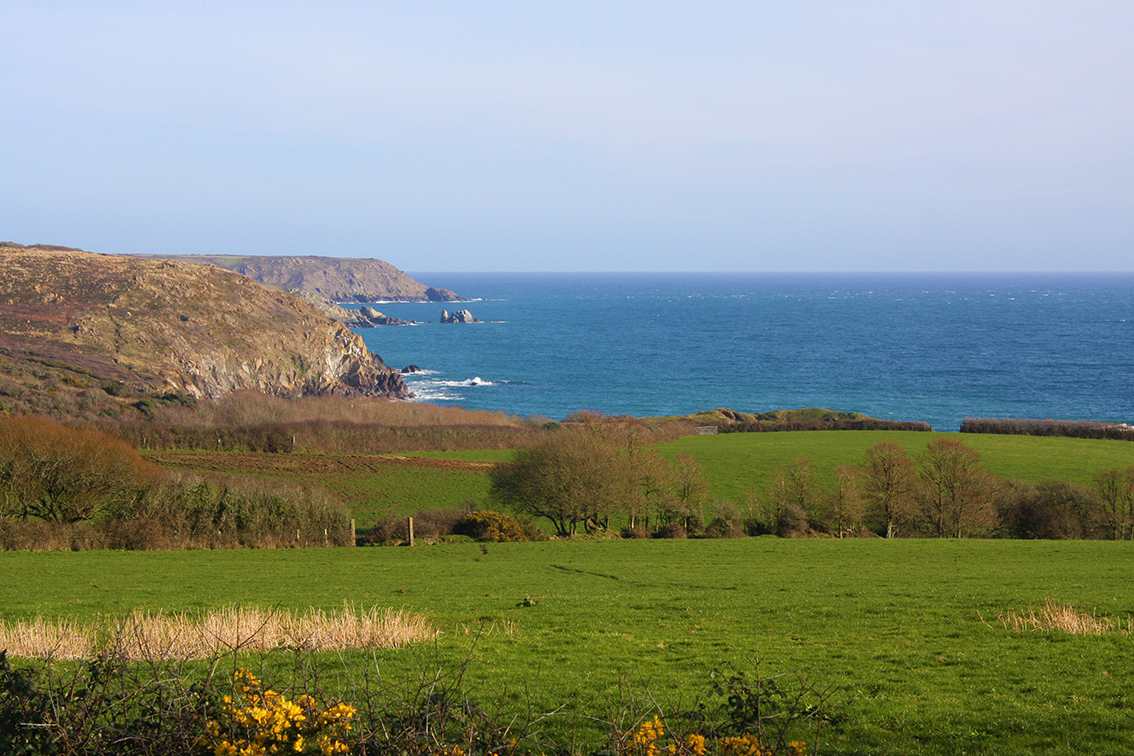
point(545, 135)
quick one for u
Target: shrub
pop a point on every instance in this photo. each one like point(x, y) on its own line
point(1054, 509)
point(724, 521)
point(255, 720)
point(487, 525)
point(109, 706)
point(55, 472)
point(671, 530)
point(24, 712)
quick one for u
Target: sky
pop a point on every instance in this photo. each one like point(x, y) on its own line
point(577, 136)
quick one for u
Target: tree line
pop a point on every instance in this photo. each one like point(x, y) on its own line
point(579, 478)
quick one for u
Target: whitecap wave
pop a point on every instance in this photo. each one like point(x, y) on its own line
point(427, 389)
point(477, 381)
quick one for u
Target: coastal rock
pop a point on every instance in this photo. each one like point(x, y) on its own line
point(410, 369)
point(442, 295)
point(375, 318)
point(173, 328)
point(460, 316)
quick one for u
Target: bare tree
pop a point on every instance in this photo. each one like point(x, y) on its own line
point(844, 503)
point(1116, 492)
point(583, 473)
point(889, 484)
point(688, 491)
point(958, 498)
point(785, 508)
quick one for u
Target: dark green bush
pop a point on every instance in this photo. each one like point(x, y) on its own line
point(487, 525)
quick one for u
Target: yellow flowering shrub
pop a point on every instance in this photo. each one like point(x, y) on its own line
point(256, 721)
point(652, 739)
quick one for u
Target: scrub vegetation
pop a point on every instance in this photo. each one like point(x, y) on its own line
point(77, 488)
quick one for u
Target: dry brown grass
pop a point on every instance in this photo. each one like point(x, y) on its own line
point(160, 636)
point(1065, 618)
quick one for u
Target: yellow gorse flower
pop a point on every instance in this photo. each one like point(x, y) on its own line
point(651, 736)
point(259, 722)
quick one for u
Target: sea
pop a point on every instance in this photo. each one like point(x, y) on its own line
point(935, 348)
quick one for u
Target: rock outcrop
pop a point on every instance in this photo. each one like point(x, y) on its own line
point(340, 279)
point(375, 318)
point(460, 316)
point(172, 327)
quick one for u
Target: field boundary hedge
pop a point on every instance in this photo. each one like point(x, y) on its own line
point(1064, 428)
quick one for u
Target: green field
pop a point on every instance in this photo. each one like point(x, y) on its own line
point(906, 631)
point(401, 491)
point(736, 463)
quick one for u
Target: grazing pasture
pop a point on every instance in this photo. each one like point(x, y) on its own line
point(908, 633)
point(378, 486)
point(736, 463)
point(372, 486)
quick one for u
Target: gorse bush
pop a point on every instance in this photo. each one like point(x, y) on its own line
point(257, 721)
point(487, 525)
point(110, 707)
point(653, 738)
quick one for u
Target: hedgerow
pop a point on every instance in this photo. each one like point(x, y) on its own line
point(111, 707)
point(77, 489)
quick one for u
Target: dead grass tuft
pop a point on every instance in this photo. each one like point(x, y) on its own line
point(1066, 618)
point(151, 637)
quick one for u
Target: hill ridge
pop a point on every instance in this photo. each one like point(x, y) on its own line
point(340, 279)
point(73, 321)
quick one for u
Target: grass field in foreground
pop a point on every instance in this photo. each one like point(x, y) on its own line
point(905, 630)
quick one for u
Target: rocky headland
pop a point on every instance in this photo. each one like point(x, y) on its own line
point(339, 279)
point(76, 326)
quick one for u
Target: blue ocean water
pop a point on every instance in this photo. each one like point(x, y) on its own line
point(930, 347)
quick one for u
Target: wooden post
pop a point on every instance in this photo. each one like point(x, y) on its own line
point(352, 533)
point(411, 531)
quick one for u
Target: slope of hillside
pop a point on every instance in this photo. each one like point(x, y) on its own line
point(341, 279)
point(74, 322)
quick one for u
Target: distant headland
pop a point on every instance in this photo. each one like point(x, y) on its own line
point(339, 279)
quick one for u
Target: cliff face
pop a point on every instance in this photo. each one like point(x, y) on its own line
point(164, 326)
point(341, 279)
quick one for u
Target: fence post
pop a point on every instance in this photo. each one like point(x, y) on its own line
point(411, 531)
